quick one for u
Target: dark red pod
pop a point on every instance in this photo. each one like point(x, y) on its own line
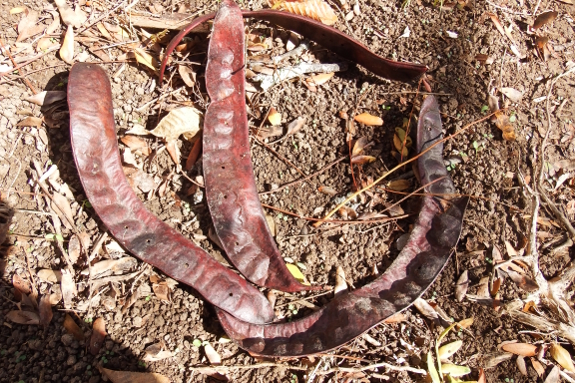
point(427, 250)
point(231, 191)
point(95, 148)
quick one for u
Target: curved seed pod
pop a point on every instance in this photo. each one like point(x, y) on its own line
point(324, 35)
point(95, 148)
point(231, 191)
point(428, 248)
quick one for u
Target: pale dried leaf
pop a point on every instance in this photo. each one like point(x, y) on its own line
point(145, 58)
point(213, 356)
point(461, 286)
point(188, 75)
point(153, 355)
point(16, 10)
point(51, 276)
point(63, 205)
point(340, 283)
point(136, 144)
point(321, 78)
point(358, 146)
point(134, 377)
point(26, 26)
point(104, 31)
point(68, 287)
point(562, 356)
point(447, 350)
point(23, 317)
point(98, 336)
point(554, 376)
point(523, 349)
point(46, 98)
point(316, 9)
point(454, 370)
point(521, 365)
point(45, 310)
point(512, 94)
point(492, 360)
point(70, 17)
point(67, 48)
point(271, 224)
point(74, 248)
point(368, 119)
point(295, 126)
point(111, 266)
point(538, 367)
point(425, 308)
point(185, 120)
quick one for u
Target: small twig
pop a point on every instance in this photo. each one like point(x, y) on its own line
point(560, 216)
point(399, 166)
point(38, 56)
point(161, 97)
point(328, 166)
point(373, 366)
point(105, 15)
point(304, 45)
point(279, 156)
point(34, 91)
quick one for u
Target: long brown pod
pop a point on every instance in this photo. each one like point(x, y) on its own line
point(231, 191)
point(95, 147)
point(324, 35)
point(427, 250)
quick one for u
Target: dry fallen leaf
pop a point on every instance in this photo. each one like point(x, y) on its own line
point(274, 117)
point(69, 16)
point(554, 376)
point(111, 266)
point(162, 291)
point(31, 121)
point(461, 286)
point(213, 356)
point(538, 367)
point(156, 352)
point(425, 308)
point(512, 94)
point(63, 205)
point(23, 317)
point(321, 78)
point(187, 74)
point(523, 349)
point(362, 160)
point(396, 318)
point(295, 126)
point(368, 119)
point(544, 18)
point(358, 146)
point(51, 276)
point(185, 120)
point(295, 271)
point(399, 185)
point(98, 336)
point(67, 48)
point(134, 377)
point(447, 350)
point(145, 58)
point(16, 10)
point(340, 283)
point(71, 326)
point(521, 365)
point(27, 26)
point(316, 9)
point(502, 122)
point(68, 288)
point(562, 356)
point(194, 154)
point(45, 310)
point(46, 98)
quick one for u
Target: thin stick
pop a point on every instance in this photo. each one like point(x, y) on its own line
point(279, 156)
point(18, 67)
point(34, 91)
point(399, 166)
point(328, 166)
point(101, 17)
point(373, 366)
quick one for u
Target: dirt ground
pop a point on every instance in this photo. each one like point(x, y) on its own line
point(467, 58)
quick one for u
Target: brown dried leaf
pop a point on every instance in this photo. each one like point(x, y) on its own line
point(268, 132)
point(523, 349)
point(544, 18)
point(71, 326)
point(495, 287)
point(399, 185)
point(23, 317)
point(295, 126)
point(481, 378)
point(194, 154)
point(368, 119)
point(45, 309)
point(538, 367)
point(512, 94)
point(74, 248)
point(162, 291)
point(184, 120)
point(274, 117)
point(461, 286)
point(498, 25)
point(362, 160)
point(502, 122)
point(68, 287)
point(156, 352)
point(358, 147)
point(425, 308)
point(98, 336)
point(133, 377)
point(104, 31)
point(145, 58)
point(67, 48)
point(188, 75)
point(136, 144)
point(562, 356)
point(327, 190)
point(396, 318)
point(271, 224)
point(316, 9)
point(466, 323)
point(47, 98)
point(22, 286)
point(31, 121)
point(51, 276)
point(63, 205)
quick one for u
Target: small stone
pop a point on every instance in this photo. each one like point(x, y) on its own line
point(67, 339)
point(71, 360)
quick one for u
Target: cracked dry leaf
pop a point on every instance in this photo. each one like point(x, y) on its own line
point(23, 317)
point(133, 377)
point(67, 48)
point(316, 9)
point(181, 121)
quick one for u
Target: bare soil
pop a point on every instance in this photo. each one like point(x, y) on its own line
point(487, 167)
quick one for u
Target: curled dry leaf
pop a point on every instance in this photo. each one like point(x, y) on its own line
point(321, 78)
point(71, 326)
point(133, 377)
point(162, 291)
point(67, 48)
point(181, 121)
point(98, 336)
point(512, 94)
point(523, 349)
point(274, 117)
point(358, 146)
point(316, 9)
point(187, 74)
point(23, 317)
point(396, 318)
point(112, 266)
point(368, 119)
point(461, 286)
point(454, 370)
point(45, 310)
point(136, 144)
point(213, 356)
point(31, 121)
point(562, 356)
point(145, 58)
point(51, 276)
point(340, 283)
point(544, 18)
point(447, 350)
point(68, 287)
